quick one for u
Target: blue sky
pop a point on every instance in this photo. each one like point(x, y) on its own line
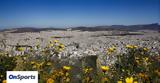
point(70, 13)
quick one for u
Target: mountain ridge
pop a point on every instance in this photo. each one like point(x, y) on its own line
point(154, 26)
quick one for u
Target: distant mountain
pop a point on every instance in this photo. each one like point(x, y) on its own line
point(29, 29)
point(154, 26)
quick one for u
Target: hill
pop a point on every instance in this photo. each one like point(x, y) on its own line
point(154, 26)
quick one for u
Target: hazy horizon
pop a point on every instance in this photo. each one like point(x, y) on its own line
point(74, 13)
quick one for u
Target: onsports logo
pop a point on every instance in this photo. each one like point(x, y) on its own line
point(22, 76)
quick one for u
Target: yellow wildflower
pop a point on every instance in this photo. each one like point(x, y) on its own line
point(87, 70)
point(87, 79)
point(60, 49)
point(67, 74)
point(67, 68)
point(143, 75)
point(61, 46)
point(67, 80)
point(32, 62)
point(145, 59)
point(4, 81)
point(119, 81)
point(104, 68)
point(50, 80)
point(135, 46)
point(137, 61)
point(135, 82)
point(20, 49)
point(130, 46)
point(41, 64)
point(55, 41)
point(49, 63)
point(145, 49)
point(105, 79)
point(50, 45)
point(110, 49)
point(38, 65)
point(129, 80)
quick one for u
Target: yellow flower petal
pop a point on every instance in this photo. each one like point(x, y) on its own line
point(145, 49)
point(129, 80)
point(20, 49)
point(50, 80)
point(135, 82)
point(4, 81)
point(119, 81)
point(130, 46)
point(55, 41)
point(105, 68)
point(67, 68)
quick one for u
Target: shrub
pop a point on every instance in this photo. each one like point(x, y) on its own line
point(7, 63)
